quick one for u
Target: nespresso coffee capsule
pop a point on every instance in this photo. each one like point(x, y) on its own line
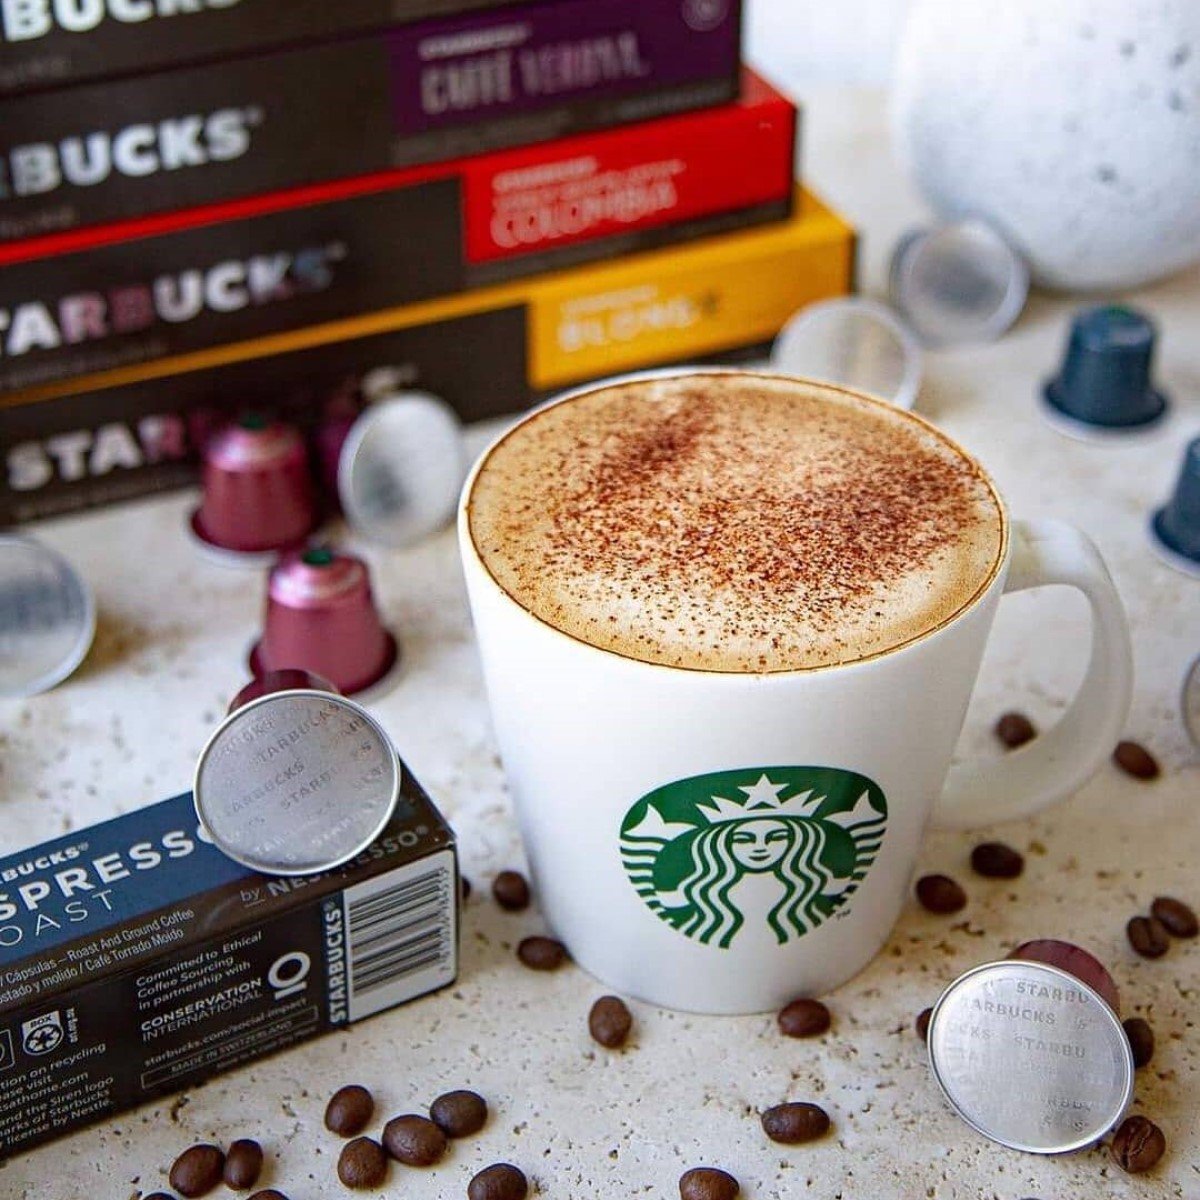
point(1105, 385)
point(1176, 526)
point(402, 465)
point(47, 617)
point(1030, 1051)
point(258, 492)
point(297, 779)
point(321, 617)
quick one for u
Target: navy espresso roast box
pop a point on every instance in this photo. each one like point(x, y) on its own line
point(410, 94)
point(136, 959)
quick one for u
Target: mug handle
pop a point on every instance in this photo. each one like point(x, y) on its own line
point(1055, 764)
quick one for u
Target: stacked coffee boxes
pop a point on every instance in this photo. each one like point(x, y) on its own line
point(209, 205)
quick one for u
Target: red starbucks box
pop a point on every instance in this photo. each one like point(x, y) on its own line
point(140, 290)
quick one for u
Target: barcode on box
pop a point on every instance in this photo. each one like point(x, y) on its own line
point(401, 935)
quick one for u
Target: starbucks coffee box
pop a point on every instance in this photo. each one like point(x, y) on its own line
point(132, 430)
point(418, 93)
point(51, 43)
point(136, 959)
point(77, 303)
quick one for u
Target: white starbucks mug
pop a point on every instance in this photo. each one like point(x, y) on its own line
point(725, 843)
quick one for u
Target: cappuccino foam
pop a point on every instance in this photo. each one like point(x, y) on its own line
point(735, 522)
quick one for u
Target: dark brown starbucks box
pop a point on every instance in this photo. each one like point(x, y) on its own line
point(136, 959)
point(407, 95)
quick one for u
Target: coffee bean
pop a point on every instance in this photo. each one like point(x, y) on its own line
point(610, 1022)
point(1148, 936)
point(542, 953)
point(268, 1194)
point(793, 1124)
point(1141, 1040)
point(708, 1183)
point(1134, 759)
point(1138, 1145)
point(362, 1163)
point(459, 1114)
point(414, 1141)
point(1178, 919)
point(511, 890)
point(159, 1196)
point(349, 1111)
point(995, 860)
point(940, 894)
point(1015, 729)
point(197, 1170)
point(464, 885)
point(502, 1181)
point(243, 1165)
point(922, 1023)
point(804, 1018)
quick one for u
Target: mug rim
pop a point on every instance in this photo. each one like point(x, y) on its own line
point(468, 546)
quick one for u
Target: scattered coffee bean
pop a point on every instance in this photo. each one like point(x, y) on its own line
point(794, 1124)
point(459, 1114)
point(1178, 919)
point(804, 1018)
point(197, 1171)
point(1138, 1145)
point(542, 953)
point(511, 890)
point(159, 1196)
point(1148, 936)
point(708, 1183)
point(465, 887)
point(362, 1163)
point(995, 860)
point(922, 1023)
point(414, 1141)
point(349, 1111)
point(610, 1022)
point(502, 1181)
point(1134, 759)
point(268, 1194)
point(243, 1165)
point(940, 894)
point(1141, 1040)
point(1015, 729)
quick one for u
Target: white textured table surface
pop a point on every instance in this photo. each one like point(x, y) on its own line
point(584, 1122)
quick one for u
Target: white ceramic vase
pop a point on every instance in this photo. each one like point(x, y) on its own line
point(1072, 125)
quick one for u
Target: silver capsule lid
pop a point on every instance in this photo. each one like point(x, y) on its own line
point(1191, 702)
point(1031, 1057)
point(852, 342)
point(296, 782)
point(402, 468)
point(958, 283)
point(47, 617)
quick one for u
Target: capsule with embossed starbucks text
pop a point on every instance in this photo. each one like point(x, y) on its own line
point(297, 779)
point(1031, 1052)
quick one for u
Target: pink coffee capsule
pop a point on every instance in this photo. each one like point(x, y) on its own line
point(1075, 961)
point(321, 618)
point(292, 679)
point(258, 490)
point(338, 416)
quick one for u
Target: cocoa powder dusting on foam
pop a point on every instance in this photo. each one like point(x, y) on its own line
point(746, 526)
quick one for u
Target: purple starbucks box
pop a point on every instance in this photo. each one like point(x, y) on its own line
point(412, 94)
point(53, 43)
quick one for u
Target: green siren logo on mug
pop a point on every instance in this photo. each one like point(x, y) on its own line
point(761, 853)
